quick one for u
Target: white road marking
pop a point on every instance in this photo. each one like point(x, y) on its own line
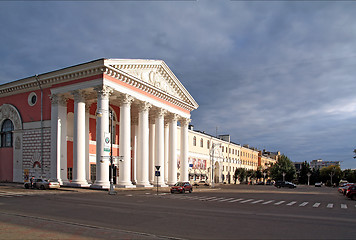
point(268, 202)
point(279, 203)
point(215, 199)
point(316, 205)
point(343, 206)
point(207, 198)
point(303, 204)
point(330, 205)
point(226, 199)
point(291, 203)
point(248, 200)
point(236, 200)
point(258, 201)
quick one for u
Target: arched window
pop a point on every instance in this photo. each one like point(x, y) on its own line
point(6, 133)
point(194, 141)
point(201, 142)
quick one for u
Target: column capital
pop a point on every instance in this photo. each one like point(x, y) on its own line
point(54, 99)
point(62, 100)
point(144, 106)
point(125, 99)
point(104, 91)
point(160, 112)
point(185, 121)
point(173, 117)
point(79, 95)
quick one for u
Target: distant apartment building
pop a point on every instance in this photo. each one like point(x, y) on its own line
point(319, 164)
point(220, 157)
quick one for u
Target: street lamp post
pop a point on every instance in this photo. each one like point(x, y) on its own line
point(308, 174)
point(111, 191)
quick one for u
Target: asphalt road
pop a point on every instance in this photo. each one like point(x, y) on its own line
point(225, 212)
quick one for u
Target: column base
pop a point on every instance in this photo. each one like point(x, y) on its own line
point(144, 185)
point(125, 186)
point(101, 185)
point(78, 184)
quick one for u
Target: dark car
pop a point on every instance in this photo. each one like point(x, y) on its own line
point(351, 192)
point(286, 184)
point(182, 187)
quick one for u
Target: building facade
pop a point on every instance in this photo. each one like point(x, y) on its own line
point(59, 125)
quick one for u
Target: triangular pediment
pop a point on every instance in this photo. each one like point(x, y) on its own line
point(154, 73)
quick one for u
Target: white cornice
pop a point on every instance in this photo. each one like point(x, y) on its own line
point(103, 66)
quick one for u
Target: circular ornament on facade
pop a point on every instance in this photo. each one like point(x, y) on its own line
point(32, 99)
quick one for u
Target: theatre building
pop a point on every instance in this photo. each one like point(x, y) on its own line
point(62, 124)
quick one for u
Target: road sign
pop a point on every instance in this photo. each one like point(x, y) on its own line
point(158, 167)
point(157, 173)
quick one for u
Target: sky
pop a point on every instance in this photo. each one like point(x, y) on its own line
point(277, 75)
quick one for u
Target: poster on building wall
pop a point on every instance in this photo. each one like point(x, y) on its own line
point(197, 163)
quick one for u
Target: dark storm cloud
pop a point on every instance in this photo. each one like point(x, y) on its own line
point(276, 75)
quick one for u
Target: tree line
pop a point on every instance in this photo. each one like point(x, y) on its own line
point(284, 169)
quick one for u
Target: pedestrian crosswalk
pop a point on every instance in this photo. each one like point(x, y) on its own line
point(252, 201)
point(11, 194)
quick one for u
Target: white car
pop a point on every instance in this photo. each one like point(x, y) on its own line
point(318, 184)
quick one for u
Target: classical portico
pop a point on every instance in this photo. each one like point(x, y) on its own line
point(148, 100)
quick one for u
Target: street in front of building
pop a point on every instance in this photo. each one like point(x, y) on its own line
point(223, 212)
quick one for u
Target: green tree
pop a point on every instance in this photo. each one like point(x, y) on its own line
point(303, 174)
point(349, 175)
point(240, 174)
point(283, 165)
point(315, 177)
point(331, 175)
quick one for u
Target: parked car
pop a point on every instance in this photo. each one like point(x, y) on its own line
point(318, 184)
point(182, 187)
point(280, 184)
point(201, 183)
point(42, 184)
point(269, 182)
point(342, 189)
point(351, 192)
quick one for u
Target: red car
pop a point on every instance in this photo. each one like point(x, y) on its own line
point(351, 192)
point(182, 187)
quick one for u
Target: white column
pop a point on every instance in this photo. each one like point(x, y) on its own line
point(166, 151)
point(102, 127)
point(152, 133)
point(55, 137)
point(134, 132)
point(184, 164)
point(159, 148)
point(79, 140)
point(87, 161)
point(62, 115)
point(125, 142)
point(172, 165)
point(143, 145)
